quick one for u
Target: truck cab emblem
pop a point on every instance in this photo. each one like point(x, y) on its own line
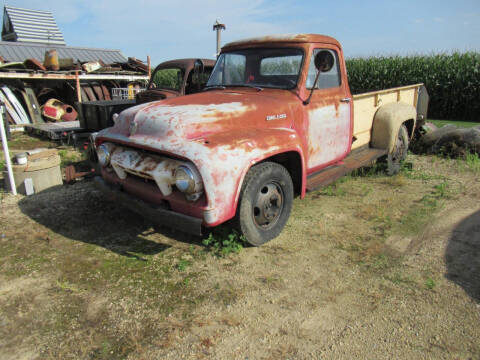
point(276, 117)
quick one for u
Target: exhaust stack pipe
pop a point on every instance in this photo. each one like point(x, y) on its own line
point(218, 27)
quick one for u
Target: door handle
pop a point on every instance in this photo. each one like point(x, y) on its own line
point(345, 100)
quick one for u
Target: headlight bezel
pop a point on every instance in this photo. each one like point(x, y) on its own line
point(187, 183)
point(104, 154)
point(188, 180)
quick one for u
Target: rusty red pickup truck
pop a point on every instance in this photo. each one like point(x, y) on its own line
point(275, 120)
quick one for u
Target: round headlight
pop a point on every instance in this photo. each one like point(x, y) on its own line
point(103, 154)
point(184, 179)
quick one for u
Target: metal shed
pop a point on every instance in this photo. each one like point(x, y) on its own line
point(14, 51)
point(30, 26)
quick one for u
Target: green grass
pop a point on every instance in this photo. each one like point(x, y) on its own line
point(470, 162)
point(464, 124)
point(68, 157)
point(332, 190)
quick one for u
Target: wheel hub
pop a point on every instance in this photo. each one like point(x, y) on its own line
point(268, 205)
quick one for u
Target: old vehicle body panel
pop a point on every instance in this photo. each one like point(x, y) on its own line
point(366, 106)
point(186, 66)
point(212, 133)
point(223, 132)
point(329, 119)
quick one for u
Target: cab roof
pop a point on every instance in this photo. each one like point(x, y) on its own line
point(185, 63)
point(275, 39)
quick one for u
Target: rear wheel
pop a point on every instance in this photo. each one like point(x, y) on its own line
point(399, 153)
point(265, 202)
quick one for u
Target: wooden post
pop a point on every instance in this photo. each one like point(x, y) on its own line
point(79, 91)
point(149, 66)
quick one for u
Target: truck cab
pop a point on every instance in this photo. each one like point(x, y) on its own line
point(275, 119)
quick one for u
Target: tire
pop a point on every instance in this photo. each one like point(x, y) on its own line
point(399, 153)
point(265, 202)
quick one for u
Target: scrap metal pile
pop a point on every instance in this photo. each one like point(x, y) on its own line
point(36, 92)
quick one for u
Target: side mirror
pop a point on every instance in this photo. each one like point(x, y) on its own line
point(324, 61)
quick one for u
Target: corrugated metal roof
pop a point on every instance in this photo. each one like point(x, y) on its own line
point(14, 51)
point(32, 26)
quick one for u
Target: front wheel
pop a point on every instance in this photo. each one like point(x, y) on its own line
point(265, 202)
point(399, 153)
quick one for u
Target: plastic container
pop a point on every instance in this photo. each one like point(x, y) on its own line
point(21, 158)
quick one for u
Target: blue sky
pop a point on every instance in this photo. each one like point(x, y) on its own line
point(177, 29)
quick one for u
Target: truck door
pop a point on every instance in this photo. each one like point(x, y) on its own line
point(328, 115)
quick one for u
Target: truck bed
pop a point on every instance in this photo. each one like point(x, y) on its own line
point(365, 106)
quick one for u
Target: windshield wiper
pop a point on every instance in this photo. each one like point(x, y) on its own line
point(214, 87)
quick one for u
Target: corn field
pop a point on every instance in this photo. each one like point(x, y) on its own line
point(452, 80)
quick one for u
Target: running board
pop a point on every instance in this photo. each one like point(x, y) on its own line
point(353, 161)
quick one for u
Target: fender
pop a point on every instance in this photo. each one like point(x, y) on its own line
point(249, 147)
point(387, 122)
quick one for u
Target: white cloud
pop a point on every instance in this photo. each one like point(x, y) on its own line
point(162, 29)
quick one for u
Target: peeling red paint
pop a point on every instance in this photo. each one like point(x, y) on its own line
point(224, 132)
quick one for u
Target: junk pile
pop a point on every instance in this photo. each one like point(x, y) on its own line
point(36, 92)
point(35, 170)
point(449, 140)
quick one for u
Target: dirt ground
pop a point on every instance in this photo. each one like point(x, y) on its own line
point(373, 267)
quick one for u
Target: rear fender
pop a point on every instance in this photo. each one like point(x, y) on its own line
point(387, 122)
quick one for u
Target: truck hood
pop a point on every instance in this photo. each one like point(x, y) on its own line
point(200, 115)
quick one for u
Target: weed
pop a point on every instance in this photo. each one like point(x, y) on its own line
point(472, 162)
point(409, 172)
point(381, 262)
point(376, 169)
point(2, 165)
point(441, 190)
point(65, 285)
point(224, 241)
point(332, 190)
point(430, 283)
point(183, 264)
point(366, 189)
point(398, 279)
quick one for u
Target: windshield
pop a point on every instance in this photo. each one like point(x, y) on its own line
point(171, 78)
point(271, 68)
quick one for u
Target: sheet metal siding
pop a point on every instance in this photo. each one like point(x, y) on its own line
point(33, 26)
point(20, 52)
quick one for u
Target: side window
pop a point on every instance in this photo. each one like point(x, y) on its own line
point(327, 80)
point(168, 78)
